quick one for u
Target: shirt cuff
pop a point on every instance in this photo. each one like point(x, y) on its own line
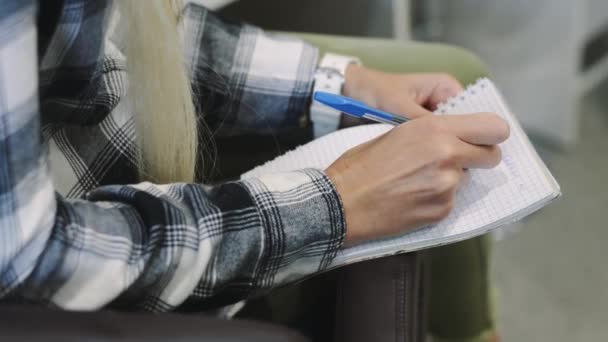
point(329, 78)
point(303, 224)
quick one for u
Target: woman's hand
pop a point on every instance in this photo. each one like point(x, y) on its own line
point(410, 95)
point(408, 177)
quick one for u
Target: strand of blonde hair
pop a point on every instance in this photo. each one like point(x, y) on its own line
point(160, 91)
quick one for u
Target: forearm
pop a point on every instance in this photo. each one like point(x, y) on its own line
point(154, 247)
point(247, 80)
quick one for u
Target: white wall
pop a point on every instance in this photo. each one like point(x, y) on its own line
point(596, 15)
point(533, 49)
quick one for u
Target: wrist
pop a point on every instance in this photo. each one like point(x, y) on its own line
point(351, 79)
point(357, 84)
point(353, 235)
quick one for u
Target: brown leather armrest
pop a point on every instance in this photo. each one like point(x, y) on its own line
point(382, 300)
point(26, 323)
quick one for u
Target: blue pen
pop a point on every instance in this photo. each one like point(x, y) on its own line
point(358, 109)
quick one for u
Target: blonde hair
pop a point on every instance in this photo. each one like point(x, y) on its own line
point(160, 91)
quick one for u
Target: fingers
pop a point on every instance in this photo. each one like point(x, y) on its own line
point(404, 106)
point(412, 110)
point(446, 86)
point(466, 141)
point(478, 129)
point(424, 92)
point(478, 156)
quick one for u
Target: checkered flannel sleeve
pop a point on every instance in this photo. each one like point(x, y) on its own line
point(145, 246)
point(249, 81)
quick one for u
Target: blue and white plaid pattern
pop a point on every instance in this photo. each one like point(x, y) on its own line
point(74, 234)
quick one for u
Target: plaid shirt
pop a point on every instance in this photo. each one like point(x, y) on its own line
point(75, 234)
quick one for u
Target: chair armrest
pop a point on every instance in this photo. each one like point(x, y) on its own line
point(384, 299)
point(25, 323)
point(403, 57)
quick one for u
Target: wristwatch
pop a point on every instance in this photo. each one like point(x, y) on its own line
point(329, 77)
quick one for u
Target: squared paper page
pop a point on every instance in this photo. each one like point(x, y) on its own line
point(520, 185)
point(322, 152)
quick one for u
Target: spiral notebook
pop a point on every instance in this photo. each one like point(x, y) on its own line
point(489, 199)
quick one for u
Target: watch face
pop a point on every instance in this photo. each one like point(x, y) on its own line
point(329, 77)
point(329, 80)
point(330, 72)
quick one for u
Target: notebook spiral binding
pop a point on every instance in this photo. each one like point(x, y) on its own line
point(470, 90)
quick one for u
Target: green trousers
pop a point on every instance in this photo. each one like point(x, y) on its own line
point(460, 307)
